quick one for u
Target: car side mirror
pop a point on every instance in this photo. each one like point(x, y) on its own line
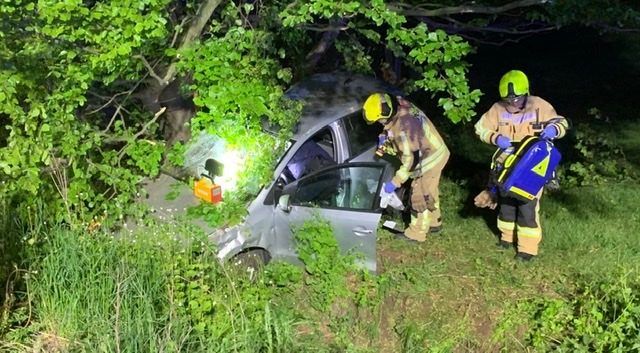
point(284, 203)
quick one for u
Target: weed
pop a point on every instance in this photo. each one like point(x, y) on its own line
point(326, 267)
point(600, 316)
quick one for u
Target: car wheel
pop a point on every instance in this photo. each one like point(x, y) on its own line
point(249, 263)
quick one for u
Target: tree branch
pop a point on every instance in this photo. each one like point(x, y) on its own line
point(479, 34)
point(148, 124)
point(326, 42)
point(407, 10)
point(146, 64)
point(195, 30)
point(144, 128)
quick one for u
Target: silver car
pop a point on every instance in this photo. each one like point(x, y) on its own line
point(330, 169)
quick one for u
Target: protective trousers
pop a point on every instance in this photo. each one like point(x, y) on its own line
point(425, 203)
point(521, 220)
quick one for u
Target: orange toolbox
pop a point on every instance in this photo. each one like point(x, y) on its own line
point(207, 190)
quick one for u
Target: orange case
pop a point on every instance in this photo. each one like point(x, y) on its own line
point(207, 190)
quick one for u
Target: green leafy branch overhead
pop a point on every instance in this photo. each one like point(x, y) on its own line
point(94, 91)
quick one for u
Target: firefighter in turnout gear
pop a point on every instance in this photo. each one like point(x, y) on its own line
point(516, 116)
point(413, 138)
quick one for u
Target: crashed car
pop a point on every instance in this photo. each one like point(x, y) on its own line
point(343, 186)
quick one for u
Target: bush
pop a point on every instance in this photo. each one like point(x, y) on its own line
point(600, 316)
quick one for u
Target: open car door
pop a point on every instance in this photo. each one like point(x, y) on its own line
point(347, 195)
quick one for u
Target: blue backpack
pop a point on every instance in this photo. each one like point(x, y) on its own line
point(522, 171)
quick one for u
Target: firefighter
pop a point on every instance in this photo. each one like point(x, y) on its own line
point(413, 138)
point(516, 116)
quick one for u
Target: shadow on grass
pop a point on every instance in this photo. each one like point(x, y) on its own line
point(472, 178)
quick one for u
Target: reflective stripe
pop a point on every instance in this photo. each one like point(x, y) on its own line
point(518, 191)
point(529, 232)
point(481, 131)
point(433, 139)
point(425, 221)
point(407, 158)
point(426, 164)
point(506, 225)
point(431, 161)
point(562, 126)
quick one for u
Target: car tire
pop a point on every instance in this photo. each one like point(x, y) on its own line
point(248, 263)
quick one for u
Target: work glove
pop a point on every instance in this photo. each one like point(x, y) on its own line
point(503, 142)
point(382, 138)
point(487, 198)
point(389, 187)
point(421, 203)
point(549, 132)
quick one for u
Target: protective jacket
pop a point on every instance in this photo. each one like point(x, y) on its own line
point(517, 124)
point(416, 142)
point(423, 154)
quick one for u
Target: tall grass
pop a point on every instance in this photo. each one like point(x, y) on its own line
point(148, 292)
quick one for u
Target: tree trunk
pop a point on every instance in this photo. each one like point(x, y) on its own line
point(165, 91)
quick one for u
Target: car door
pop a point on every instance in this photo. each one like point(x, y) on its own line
point(347, 195)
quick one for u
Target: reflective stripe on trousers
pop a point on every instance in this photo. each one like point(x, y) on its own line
point(522, 220)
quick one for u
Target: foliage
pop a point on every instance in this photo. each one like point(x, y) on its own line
point(595, 156)
point(238, 83)
point(326, 267)
point(603, 14)
point(449, 294)
point(283, 275)
point(601, 316)
point(56, 56)
point(150, 290)
point(229, 212)
point(372, 28)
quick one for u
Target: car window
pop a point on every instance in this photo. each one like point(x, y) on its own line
point(347, 187)
point(360, 134)
point(315, 154)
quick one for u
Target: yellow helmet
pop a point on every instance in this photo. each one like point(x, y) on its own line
point(378, 106)
point(514, 84)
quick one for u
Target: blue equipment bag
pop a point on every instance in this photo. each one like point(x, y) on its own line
point(523, 174)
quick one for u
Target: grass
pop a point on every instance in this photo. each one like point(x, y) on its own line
point(460, 284)
point(92, 292)
point(454, 293)
point(80, 291)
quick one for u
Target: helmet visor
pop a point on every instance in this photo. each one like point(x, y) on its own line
point(515, 101)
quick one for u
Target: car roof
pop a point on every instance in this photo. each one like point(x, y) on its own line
point(330, 96)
